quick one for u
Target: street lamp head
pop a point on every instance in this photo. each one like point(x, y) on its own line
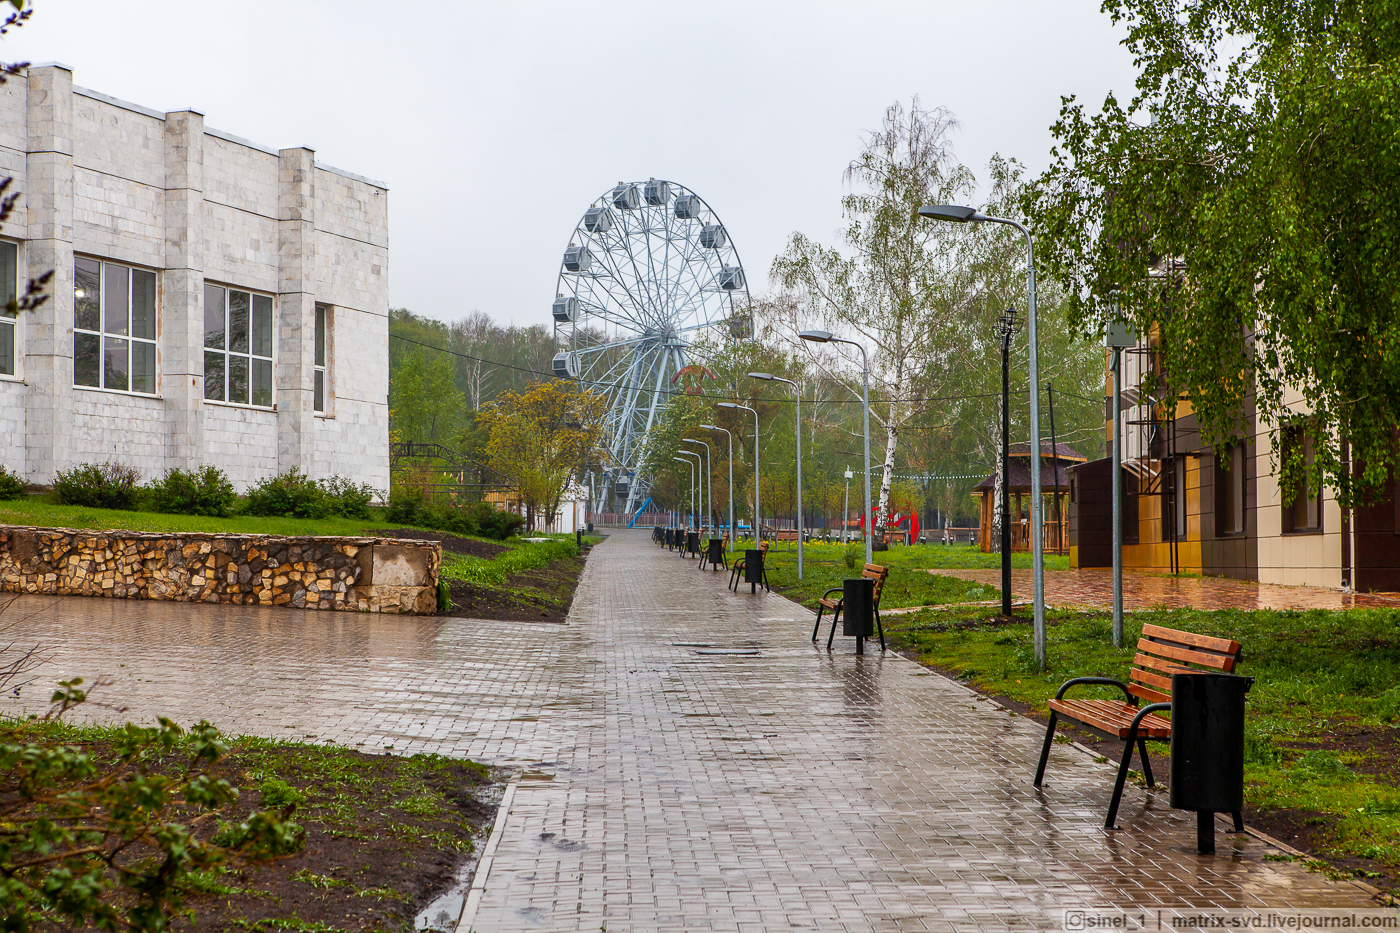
point(951, 212)
point(726, 405)
point(817, 336)
point(712, 427)
point(768, 377)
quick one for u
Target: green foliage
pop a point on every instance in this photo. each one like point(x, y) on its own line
point(11, 486)
point(1242, 206)
point(77, 834)
point(496, 571)
point(409, 507)
point(206, 491)
point(279, 795)
point(292, 494)
point(424, 405)
point(852, 555)
point(295, 495)
point(43, 512)
point(109, 485)
point(444, 596)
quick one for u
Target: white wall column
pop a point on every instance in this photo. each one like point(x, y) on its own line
point(48, 201)
point(296, 329)
point(182, 292)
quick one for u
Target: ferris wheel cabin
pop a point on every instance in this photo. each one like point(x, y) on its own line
point(566, 365)
point(626, 197)
point(565, 310)
point(713, 237)
point(577, 259)
point(657, 193)
point(732, 278)
point(597, 220)
point(688, 207)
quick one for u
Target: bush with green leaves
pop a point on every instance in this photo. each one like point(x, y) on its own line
point(206, 491)
point(110, 485)
point(89, 842)
point(288, 495)
point(11, 486)
point(348, 499)
point(407, 506)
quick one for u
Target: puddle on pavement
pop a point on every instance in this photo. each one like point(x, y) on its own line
point(743, 652)
point(692, 644)
point(442, 914)
point(536, 776)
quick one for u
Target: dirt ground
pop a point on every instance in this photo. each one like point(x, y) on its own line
point(540, 595)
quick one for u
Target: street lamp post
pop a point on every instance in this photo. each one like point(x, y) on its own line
point(846, 510)
point(822, 336)
point(769, 377)
point(1008, 328)
point(956, 214)
point(757, 512)
point(709, 482)
point(700, 478)
point(690, 464)
point(715, 427)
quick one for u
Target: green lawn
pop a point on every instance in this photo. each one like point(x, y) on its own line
point(824, 567)
point(38, 511)
point(1324, 712)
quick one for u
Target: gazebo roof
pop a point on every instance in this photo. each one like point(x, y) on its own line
point(1062, 452)
point(1053, 477)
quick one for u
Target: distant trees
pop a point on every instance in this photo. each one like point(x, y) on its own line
point(425, 405)
point(542, 438)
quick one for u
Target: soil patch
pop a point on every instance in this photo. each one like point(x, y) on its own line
point(385, 836)
point(540, 595)
point(452, 543)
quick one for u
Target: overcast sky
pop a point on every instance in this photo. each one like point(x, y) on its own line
point(495, 124)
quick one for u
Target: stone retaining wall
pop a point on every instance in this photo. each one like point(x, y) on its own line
point(361, 574)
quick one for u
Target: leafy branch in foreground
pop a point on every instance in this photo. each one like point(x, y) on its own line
point(111, 842)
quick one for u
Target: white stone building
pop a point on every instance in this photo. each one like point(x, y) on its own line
point(213, 301)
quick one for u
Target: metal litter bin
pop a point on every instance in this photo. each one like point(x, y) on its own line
point(692, 543)
point(715, 552)
point(753, 568)
point(858, 610)
point(1207, 749)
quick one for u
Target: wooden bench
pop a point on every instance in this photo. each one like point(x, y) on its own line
point(736, 573)
point(871, 572)
point(1160, 653)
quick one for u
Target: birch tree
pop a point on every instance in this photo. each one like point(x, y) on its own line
point(902, 287)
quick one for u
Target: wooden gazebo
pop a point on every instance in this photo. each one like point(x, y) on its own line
point(1054, 484)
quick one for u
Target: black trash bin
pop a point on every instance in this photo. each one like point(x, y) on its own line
point(715, 553)
point(1207, 749)
point(753, 568)
point(692, 543)
point(858, 610)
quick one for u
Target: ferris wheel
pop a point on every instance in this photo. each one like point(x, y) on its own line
point(648, 271)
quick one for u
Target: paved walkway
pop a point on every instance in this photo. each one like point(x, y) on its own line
point(668, 787)
point(1093, 587)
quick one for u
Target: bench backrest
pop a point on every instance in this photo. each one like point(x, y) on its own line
point(878, 574)
point(1162, 652)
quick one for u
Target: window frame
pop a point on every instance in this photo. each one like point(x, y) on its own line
point(1291, 436)
point(227, 353)
point(1234, 503)
point(1181, 517)
point(103, 335)
point(13, 323)
point(323, 342)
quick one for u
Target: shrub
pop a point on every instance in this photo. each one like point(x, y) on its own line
point(346, 498)
point(853, 554)
point(109, 485)
point(408, 507)
point(11, 486)
point(292, 494)
point(494, 522)
point(405, 506)
point(206, 491)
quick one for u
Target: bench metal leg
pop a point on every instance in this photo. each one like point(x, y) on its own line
point(1121, 780)
point(1239, 821)
point(817, 628)
point(1045, 749)
point(1146, 762)
point(880, 627)
point(831, 639)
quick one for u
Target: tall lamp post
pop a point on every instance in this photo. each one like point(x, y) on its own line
point(715, 427)
point(757, 523)
point(699, 494)
point(1007, 326)
point(957, 214)
point(709, 482)
point(769, 377)
point(823, 336)
point(690, 463)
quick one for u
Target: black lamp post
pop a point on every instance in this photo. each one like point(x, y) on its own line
point(1007, 327)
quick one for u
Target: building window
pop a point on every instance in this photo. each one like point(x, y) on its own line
point(9, 291)
point(1229, 492)
point(1303, 514)
point(1179, 497)
point(114, 327)
point(319, 384)
point(237, 347)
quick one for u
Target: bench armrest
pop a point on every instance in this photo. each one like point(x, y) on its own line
point(1144, 713)
point(836, 589)
point(1105, 681)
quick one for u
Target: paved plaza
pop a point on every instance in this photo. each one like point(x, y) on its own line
point(1093, 588)
point(686, 759)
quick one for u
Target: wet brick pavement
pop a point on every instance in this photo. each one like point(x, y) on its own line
point(1093, 588)
point(667, 789)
